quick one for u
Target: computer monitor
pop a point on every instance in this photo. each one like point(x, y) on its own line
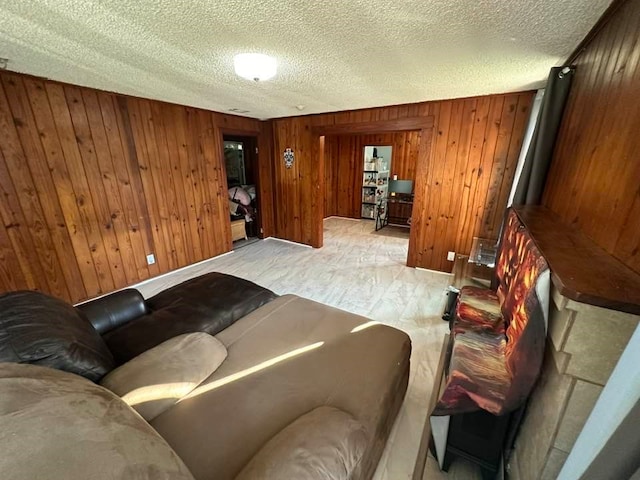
point(403, 187)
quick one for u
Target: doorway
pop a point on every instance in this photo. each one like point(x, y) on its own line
point(364, 175)
point(240, 160)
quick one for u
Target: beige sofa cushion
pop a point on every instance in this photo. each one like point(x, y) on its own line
point(285, 359)
point(59, 426)
point(155, 380)
point(324, 444)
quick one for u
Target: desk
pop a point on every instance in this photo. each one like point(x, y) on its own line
point(395, 211)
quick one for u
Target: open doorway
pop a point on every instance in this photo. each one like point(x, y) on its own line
point(244, 205)
point(370, 178)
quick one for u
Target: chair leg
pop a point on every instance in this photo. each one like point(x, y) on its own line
point(448, 460)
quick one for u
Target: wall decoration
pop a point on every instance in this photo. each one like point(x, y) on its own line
point(288, 157)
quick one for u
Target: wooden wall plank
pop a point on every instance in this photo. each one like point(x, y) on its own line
point(30, 175)
point(134, 211)
point(94, 187)
point(177, 137)
point(113, 211)
point(266, 202)
point(61, 181)
point(92, 182)
point(196, 159)
point(215, 184)
point(14, 270)
point(90, 222)
point(472, 174)
point(593, 183)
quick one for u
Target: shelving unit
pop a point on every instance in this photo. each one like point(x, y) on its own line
point(375, 180)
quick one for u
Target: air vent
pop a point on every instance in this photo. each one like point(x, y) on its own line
point(238, 110)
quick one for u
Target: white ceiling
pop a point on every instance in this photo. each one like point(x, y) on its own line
point(333, 55)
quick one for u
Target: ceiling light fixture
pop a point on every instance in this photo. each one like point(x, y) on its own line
point(255, 66)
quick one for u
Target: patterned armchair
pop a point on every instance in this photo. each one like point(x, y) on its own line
point(498, 336)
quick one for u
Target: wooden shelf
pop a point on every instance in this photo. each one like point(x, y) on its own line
point(580, 269)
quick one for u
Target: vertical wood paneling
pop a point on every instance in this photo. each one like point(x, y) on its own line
point(594, 180)
point(31, 177)
point(94, 186)
point(266, 201)
point(299, 190)
point(462, 169)
point(91, 182)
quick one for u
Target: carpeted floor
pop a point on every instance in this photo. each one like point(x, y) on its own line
point(364, 272)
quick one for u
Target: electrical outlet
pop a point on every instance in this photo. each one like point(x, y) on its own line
point(451, 256)
point(151, 259)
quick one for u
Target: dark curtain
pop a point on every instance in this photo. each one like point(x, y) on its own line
point(538, 159)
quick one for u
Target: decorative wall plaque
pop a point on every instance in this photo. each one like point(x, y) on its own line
point(288, 157)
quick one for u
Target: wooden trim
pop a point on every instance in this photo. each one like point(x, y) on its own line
point(380, 126)
point(593, 33)
point(425, 440)
point(602, 280)
point(238, 132)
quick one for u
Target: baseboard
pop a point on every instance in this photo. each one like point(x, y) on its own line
point(347, 218)
point(289, 241)
point(434, 271)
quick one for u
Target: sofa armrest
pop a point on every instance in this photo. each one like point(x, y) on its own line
point(111, 311)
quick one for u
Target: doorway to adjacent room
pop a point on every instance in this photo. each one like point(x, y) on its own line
point(240, 160)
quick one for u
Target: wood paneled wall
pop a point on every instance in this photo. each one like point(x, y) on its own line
point(462, 189)
point(92, 182)
point(344, 167)
point(463, 171)
point(299, 190)
point(594, 180)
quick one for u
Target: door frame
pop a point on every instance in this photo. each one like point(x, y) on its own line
point(424, 125)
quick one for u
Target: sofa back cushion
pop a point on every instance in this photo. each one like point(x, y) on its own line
point(208, 303)
point(523, 289)
point(38, 329)
point(155, 380)
point(59, 426)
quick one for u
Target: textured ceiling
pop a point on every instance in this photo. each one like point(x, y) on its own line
point(333, 55)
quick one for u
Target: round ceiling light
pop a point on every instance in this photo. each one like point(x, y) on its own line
point(255, 66)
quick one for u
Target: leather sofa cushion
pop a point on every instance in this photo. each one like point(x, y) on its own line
point(208, 303)
point(38, 329)
point(324, 444)
point(59, 426)
point(155, 380)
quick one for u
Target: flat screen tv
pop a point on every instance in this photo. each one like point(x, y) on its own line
point(404, 187)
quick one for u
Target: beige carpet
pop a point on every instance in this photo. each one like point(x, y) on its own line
point(363, 272)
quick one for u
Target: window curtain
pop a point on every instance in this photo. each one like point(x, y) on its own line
point(533, 176)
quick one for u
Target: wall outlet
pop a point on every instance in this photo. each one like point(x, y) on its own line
point(451, 256)
point(151, 259)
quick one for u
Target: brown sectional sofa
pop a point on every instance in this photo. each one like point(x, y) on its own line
point(297, 389)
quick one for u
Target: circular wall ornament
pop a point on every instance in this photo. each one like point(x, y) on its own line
point(288, 157)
